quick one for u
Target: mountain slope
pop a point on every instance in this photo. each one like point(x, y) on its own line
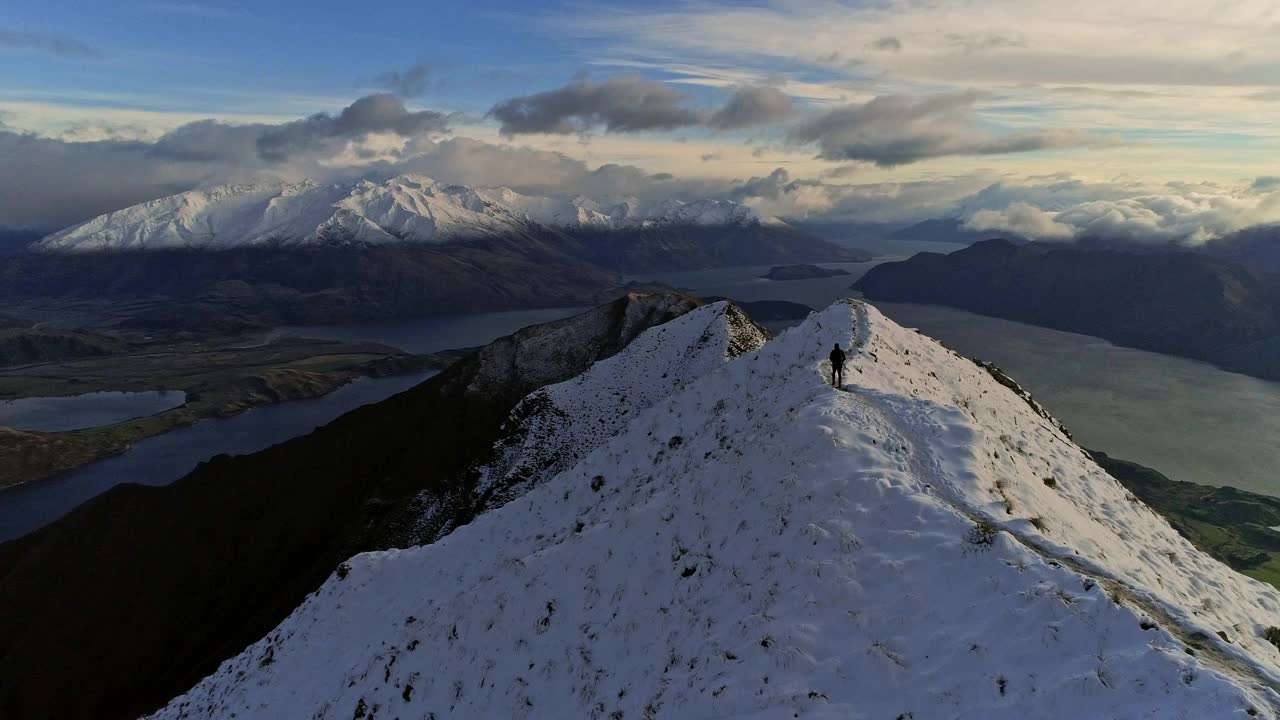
point(320, 283)
point(407, 207)
point(1181, 303)
point(758, 545)
point(193, 571)
point(407, 246)
point(1257, 247)
point(402, 208)
point(950, 230)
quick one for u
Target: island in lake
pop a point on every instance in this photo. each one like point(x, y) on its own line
point(801, 272)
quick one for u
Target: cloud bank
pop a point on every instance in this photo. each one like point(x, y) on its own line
point(381, 113)
point(753, 106)
point(632, 103)
point(622, 103)
point(50, 183)
point(893, 130)
point(1186, 217)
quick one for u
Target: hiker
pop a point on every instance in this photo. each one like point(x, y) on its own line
point(837, 366)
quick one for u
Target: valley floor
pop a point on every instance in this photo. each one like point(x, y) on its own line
point(220, 379)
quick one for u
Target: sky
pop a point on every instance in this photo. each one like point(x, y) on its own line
point(1147, 119)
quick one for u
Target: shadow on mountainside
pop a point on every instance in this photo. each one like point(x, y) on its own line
point(136, 595)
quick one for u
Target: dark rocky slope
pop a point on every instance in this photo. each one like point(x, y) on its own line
point(23, 345)
point(139, 593)
point(330, 283)
point(234, 290)
point(1257, 247)
point(1180, 303)
point(698, 247)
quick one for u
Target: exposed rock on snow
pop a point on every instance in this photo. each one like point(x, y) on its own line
point(758, 545)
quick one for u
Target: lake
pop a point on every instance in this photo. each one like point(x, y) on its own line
point(162, 459)
point(1184, 418)
point(77, 412)
point(1187, 419)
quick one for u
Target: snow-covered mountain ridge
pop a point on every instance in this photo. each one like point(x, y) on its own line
point(757, 545)
point(402, 208)
point(553, 427)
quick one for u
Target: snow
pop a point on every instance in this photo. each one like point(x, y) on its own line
point(554, 427)
point(402, 208)
point(756, 544)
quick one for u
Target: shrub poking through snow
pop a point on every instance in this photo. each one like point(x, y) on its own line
point(983, 534)
point(1272, 635)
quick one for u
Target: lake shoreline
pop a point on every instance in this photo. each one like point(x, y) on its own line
point(218, 383)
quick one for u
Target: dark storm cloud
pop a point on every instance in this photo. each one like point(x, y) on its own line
point(752, 106)
point(53, 44)
point(381, 113)
point(624, 103)
point(898, 129)
point(411, 82)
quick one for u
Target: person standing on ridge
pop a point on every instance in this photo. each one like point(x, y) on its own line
point(837, 366)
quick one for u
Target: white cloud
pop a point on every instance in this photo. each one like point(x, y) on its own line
point(1184, 213)
point(1023, 219)
point(1170, 42)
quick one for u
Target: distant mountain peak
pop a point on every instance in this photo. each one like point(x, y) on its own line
point(407, 207)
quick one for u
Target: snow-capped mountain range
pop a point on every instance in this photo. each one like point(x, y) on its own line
point(402, 208)
point(738, 539)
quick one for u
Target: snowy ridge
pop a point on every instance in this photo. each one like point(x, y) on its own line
point(554, 427)
point(758, 545)
point(402, 208)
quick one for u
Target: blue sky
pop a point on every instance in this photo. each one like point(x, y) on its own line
point(254, 58)
point(851, 98)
